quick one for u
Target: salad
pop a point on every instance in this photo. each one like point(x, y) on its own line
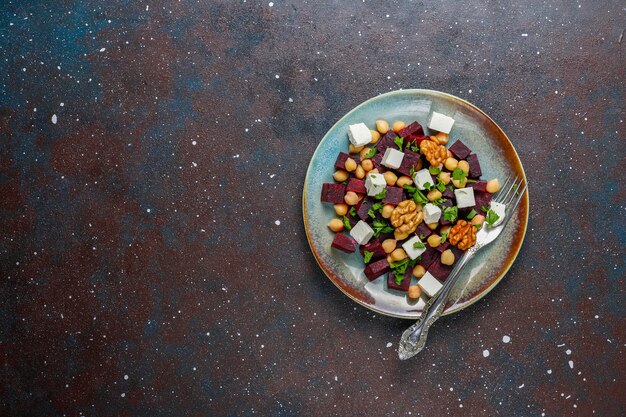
point(410, 205)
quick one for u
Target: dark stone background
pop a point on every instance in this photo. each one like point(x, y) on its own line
point(142, 269)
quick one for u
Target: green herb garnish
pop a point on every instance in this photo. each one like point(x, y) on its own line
point(434, 171)
point(451, 213)
point(419, 198)
point(412, 172)
point(381, 226)
point(427, 185)
point(419, 245)
point(346, 223)
point(375, 207)
point(367, 256)
point(441, 186)
point(399, 142)
point(439, 201)
point(415, 148)
point(485, 209)
point(459, 175)
point(444, 236)
point(381, 195)
point(371, 153)
point(492, 217)
point(471, 214)
point(399, 268)
point(352, 211)
point(409, 188)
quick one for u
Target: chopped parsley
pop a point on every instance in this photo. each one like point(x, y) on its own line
point(399, 142)
point(485, 209)
point(346, 223)
point(352, 211)
point(451, 213)
point(441, 186)
point(415, 147)
point(367, 256)
point(419, 245)
point(375, 207)
point(419, 198)
point(459, 175)
point(471, 214)
point(381, 195)
point(422, 236)
point(381, 226)
point(371, 153)
point(412, 171)
point(444, 236)
point(492, 217)
point(399, 268)
point(409, 188)
point(434, 171)
point(439, 201)
point(427, 185)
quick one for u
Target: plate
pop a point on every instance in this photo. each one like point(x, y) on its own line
point(498, 159)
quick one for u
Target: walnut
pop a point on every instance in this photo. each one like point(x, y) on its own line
point(463, 235)
point(405, 217)
point(435, 153)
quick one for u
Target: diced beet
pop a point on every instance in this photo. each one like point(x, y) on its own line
point(377, 160)
point(333, 193)
point(412, 129)
point(475, 171)
point(482, 200)
point(478, 186)
point(415, 139)
point(376, 269)
point(363, 208)
point(344, 243)
point(340, 163)
point(387, 141)
point(459, 150)
point(394, 196)
point(428, 257)
point(439, 270)
point(384, 236)
point(356, 185)
point(441, 248)
point(457, 253)
point(447, 202)
point(404, 285)
point(448, 193)
point(423, 230)
point(376, 248)
point(411, 160)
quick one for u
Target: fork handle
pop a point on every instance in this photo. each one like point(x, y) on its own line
point(413, 339)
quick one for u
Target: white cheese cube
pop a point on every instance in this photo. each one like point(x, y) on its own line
point(440, 122)
point(411, 250)
point(429, 284)
point(465, 197)
point(392, 158)
point(432, 213)
point(500, 210)
point(422, 177)
point(361, 232)
point(359, 134)
point(375, 184)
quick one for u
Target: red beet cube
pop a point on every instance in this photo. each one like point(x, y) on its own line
point(377, 160)
point(410, 160)
point(376, 269)
point(478, 186)
point(404, 285)
point(356, 185)
point(395, 195)
point(459, 150)
point(428, 257)
point(448, 193)
point(412, 129)
point(423, 230)
point(441, 248)
point(439, 270)
point(340, 163)
point(344, 243)
point(362, 209)
point(386, 141)
point(376, 248)
point(475, 171)
point(333, 193)
point(482, 200)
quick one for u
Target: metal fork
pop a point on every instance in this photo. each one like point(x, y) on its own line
point(413, 339)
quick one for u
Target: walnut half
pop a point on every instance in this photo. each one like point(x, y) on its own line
point(405, 218)
point(435, 153)
point(463, 235)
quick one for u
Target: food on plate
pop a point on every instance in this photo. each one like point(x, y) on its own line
point(410, 204)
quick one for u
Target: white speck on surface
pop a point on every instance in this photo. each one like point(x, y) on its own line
point(521, 386)
point(290, 100)
point(389, 344)
point(271, 4)
point(54, 119)
point(123, 395)
point(571, 364)
point(549, 371)
point(61, 104)
point(194, 143)
point(102, 49)
point(148, 210)
point(126, 377)
point(485, 353)
point(506, 339)
point(236, 156)
point(277, 76)
point(568, 352)
point(277, 222)
point(524, 34)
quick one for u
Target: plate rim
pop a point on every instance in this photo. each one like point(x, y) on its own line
point(525, 198)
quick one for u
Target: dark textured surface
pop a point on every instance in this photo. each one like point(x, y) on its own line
point(152, 251)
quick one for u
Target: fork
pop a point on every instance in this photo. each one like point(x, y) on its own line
point(413, 339)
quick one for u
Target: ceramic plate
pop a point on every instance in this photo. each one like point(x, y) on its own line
point(497, 157)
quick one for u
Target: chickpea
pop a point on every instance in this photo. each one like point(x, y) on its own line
point(414, 292)
point(398, 255)
point(432, 226)
point(389, 259)
point(351, 198)
point(350, 164)
point(419, 271)
point(459, 184)
point(367, 165)
point(335, 225)
point(404, 180)
point(374, 171)
point(445, 229)
point(445, 177)
point(493, 186)
point(434, 195)
point(359, 172)
point(389, 245)
point(375, 136)
point(451, 164)
point(382, 126)
point(449, 154)
point(354, 149)
point(442, 138)
point(464, 165)
point(341, 209)
point(478, 220)
point(390, 177)
point(398, 126)
point(364, 152)
point(447, 257)
point(387, 210)
point(434, 240)
point(340, 175)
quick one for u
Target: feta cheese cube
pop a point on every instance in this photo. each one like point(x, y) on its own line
point(465, 197)
point(375, 184)
point(411, 250)
point(392, 158)
point(359, 134)
point(432, 213)
point(362, 232)
point(500, 210)
point(429, 284)
point(440, 122)
point(422, 177)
